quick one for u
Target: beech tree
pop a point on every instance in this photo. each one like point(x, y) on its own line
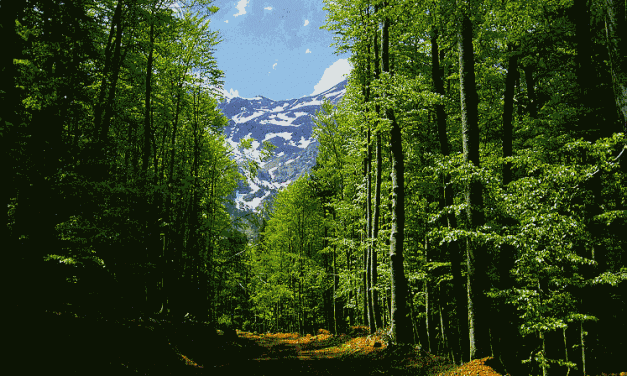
point(117, 152)
point(492, 111)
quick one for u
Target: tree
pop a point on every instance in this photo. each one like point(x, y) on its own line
point(400, 325)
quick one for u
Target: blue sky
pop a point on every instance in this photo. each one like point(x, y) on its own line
point(276, 48)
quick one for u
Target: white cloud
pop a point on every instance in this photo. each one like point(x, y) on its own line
point(241, 7)
point(274, 66)
point(306, 23)
point(333, 75)
point(308, 51)
point(234, 93)
point(268, 8)
point(227, 21)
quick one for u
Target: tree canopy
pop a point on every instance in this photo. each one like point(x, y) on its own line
point(469, 194)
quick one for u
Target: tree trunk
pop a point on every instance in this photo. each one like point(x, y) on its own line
point(615, 31)
point(531, 92)
point(508, 110)
point(586, 126)
point(453, 248)
point(503, 331)
point(401, 331)
point(368, 269)
point(475, 253)
point(583, 349)
point(545, 367)
point(371, 320)
point(443, 329)
point(148, 103)
point(368, 309)
point(146, 155)
point(9, 118)
point(377, 200)
point(338, 309)
point(429, 324)
point(112, 64)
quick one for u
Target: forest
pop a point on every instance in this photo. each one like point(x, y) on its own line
point(468, 198)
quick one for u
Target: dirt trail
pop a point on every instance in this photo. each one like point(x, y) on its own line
point(288, 353)
point(323, 354)
point(68, 343)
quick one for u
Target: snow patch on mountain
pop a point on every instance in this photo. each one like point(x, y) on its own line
point(239, 118)
point(284, 135)
point(288, 125)
point(313, 102)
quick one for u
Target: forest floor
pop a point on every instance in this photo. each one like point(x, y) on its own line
point(78, 344)
point(356, 353)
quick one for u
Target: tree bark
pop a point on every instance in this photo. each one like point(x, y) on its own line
point(20, 299)
point(475, 253)
point(615, 31)
point(112, 56)
point(583, 348)
point(586, 126)
point(147, 153)
point(148, 102)
point(9, 110)
point(369, 250)
point(508, 110)
point(368, 172)
point(401, 331)
point(377, 198)
point(531, 92)
point(453, 248)
point(429, 324)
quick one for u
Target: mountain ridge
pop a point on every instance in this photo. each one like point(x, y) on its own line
point(288, 125)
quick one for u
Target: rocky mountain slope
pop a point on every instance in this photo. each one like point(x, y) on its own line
point(287, 124)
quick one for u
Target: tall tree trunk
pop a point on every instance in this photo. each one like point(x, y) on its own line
point(9, 112)
point(338, 308)
point(503, 329)
point(146, 155)
point(377, 198)
point(368, 232)
point(429, 324)
point(475, 253)
point(531, 92)
point(443, 329)
point(148, 103)
point(587, 126)
point(110, 74)
point(401, 330)
point(369, 251)
point(583, 348)
point(615, 31)
point(351, 290)
point(459, 294)
point(10, 120)
point(508, 110)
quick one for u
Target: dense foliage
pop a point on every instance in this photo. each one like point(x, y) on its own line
point(512, 122)
point(115, 169)
point(469, 195)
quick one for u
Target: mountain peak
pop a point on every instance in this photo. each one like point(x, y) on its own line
point(288, 125)
point(228, 95)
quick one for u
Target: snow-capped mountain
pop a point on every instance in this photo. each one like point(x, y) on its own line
point(288, 125)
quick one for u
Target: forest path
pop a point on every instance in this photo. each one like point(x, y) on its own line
point(71, 343)
point(357, 353)
point(326, 354)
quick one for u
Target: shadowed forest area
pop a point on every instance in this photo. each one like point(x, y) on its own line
point(466, 213)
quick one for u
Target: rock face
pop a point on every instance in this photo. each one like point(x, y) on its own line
point(288, 125)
